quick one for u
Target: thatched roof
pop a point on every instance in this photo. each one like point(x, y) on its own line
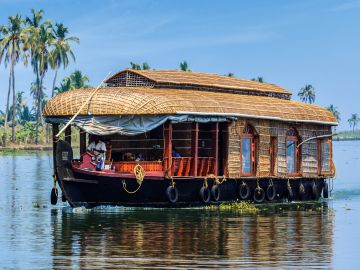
point(182, 78)
point(147, 101)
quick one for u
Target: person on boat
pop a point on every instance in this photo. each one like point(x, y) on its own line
point(98, 148)
point(175, 153)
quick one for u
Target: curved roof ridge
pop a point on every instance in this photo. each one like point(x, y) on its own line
point(150, 101)
point(179, 77)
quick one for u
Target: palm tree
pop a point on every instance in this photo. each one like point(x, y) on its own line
point(230, 74)
point(307, 94)
point(39, 40)
point(258, 79)
point(11, 51)
point(59, 56)
point(184, 66)
point(135, 66)
point(353, 121)
point(65, 85)
point(333, 109)
point(78, 80)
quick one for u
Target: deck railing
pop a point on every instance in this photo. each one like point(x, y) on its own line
point(184, 166)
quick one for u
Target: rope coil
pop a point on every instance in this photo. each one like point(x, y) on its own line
point(139, 173)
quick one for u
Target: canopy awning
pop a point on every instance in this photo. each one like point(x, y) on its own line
point(130, 125)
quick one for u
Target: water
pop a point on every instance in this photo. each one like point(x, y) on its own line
point(36, 235)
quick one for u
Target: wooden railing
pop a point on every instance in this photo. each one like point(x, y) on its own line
point(148, 166)
point(184, 166)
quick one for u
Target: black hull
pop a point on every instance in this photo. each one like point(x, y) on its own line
point(88, 191)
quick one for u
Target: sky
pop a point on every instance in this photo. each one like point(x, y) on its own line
point(289, 43)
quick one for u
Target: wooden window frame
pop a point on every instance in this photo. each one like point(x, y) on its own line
point(273, 154)
point(253, 148)
point(329, 141)
point(296, 141)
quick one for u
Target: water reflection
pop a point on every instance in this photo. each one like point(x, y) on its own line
point(189, 239)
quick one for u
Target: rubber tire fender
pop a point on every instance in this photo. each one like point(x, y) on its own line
point(314, 191)
point(172, 194)
point(270, 192)
point(290, 194)
point(326, 190)
point(259, 195)
point(302, 191)
point(54, 196)
point(244, 192)
point(215, 192)
point(205, 194)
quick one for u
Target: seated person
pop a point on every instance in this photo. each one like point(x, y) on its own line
point(98, 148)
point(175, 153)
point(128, 156)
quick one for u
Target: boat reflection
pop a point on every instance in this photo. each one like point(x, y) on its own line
point(115, 238)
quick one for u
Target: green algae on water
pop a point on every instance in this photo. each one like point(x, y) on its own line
point(242, 207)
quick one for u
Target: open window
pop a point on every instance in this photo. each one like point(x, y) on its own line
point(292, 152)
point(248, 152)
point(324, 156)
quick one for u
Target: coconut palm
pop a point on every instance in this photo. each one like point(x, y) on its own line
point(59, 55)
point(258, 79)
point(78, 80)
point(184, 66)
point(65, 85)
point(39, 41)
point(333, 109)
point(353, 121)
point(307, 94)
point(11, 51)
point(135, 66)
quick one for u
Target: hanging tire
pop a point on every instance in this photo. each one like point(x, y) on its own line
point(63, 198)
point(244, 191)
point(259, 195)
point(314, 191)
point(204, 194)
point(54, 196)
point(270, 193)
point(290, 194)
point(172, 194)
point(326, 190)
point(302, 192)
point(215, 192)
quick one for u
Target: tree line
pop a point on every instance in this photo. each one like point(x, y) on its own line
point(44, 46)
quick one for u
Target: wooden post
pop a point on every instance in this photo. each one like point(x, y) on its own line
point(82, 142)
point(55, 130)
point(167, 147)
point(194, 147)
point(215, 146)
point(68, 135)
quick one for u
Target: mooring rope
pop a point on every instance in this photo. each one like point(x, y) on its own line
point(139, 173)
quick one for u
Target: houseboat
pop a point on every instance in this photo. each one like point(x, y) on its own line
point(176, 138)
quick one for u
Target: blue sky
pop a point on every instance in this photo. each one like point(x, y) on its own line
point(289, 43)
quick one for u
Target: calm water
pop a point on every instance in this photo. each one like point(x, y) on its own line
point(317, 235)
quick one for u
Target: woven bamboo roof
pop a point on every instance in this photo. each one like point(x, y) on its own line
point(178, 77)
point(147, 101)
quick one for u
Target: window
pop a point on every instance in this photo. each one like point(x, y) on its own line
point(272, 153)
point(292, 152)
point(248, 152)
point(324, 152)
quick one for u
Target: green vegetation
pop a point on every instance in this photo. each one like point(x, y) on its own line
point(184, 66)
point(333, 109)
point(44, 46)
point(347, 136)
point(241, 206)
point(307, 94)
point(144, 66)
point(353, 121)
point(258, 79)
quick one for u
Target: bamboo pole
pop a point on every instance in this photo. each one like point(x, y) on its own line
point(82, 106)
